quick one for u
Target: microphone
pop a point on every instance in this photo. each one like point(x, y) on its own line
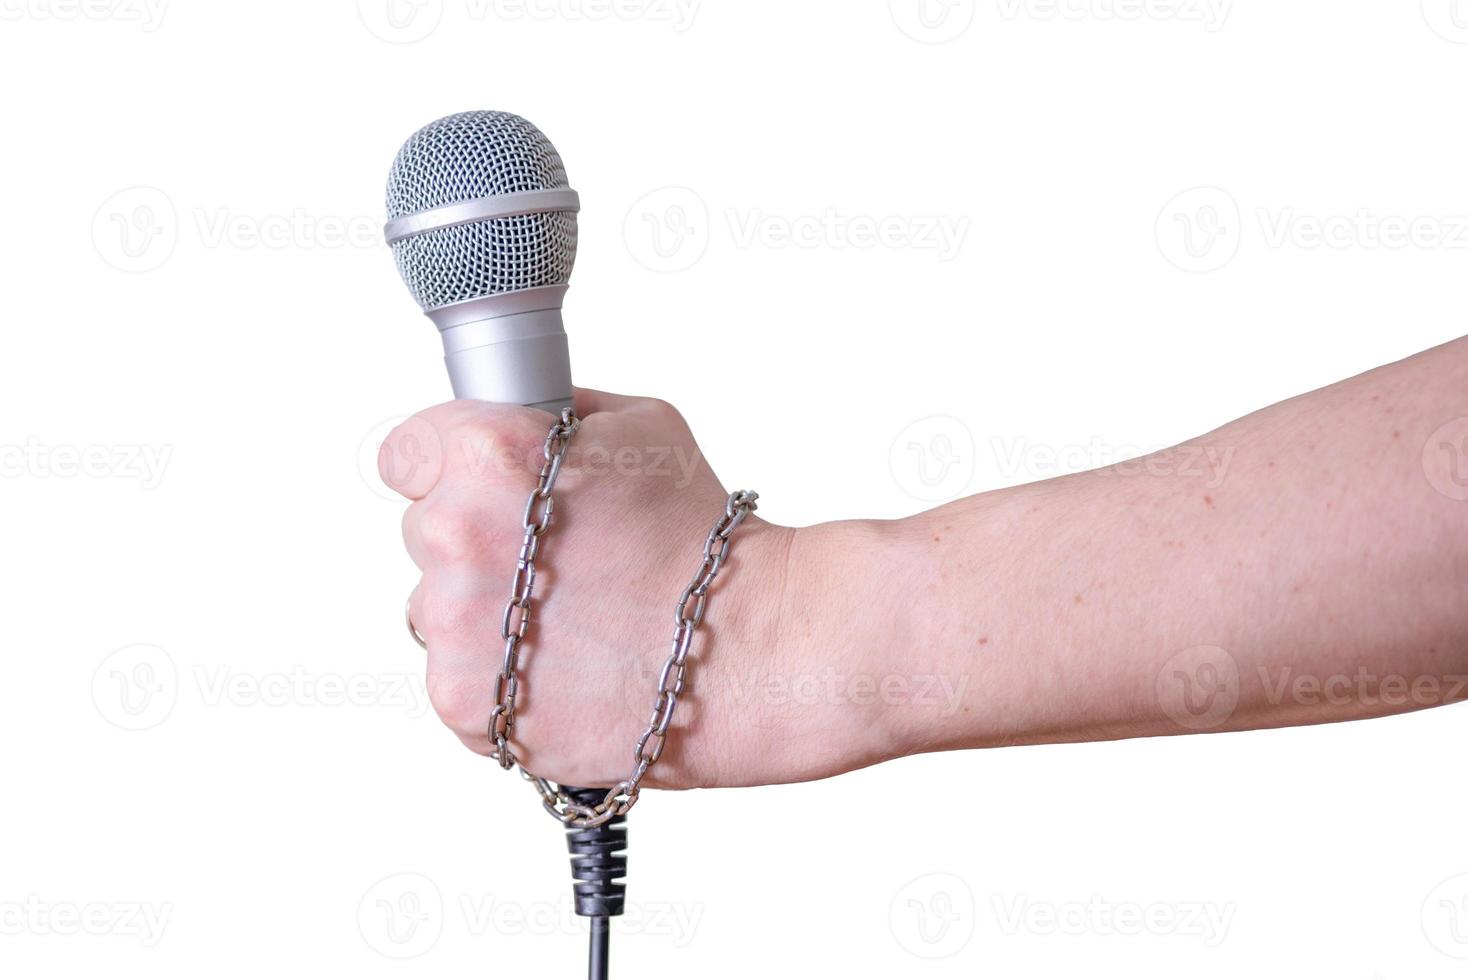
point(482, 224)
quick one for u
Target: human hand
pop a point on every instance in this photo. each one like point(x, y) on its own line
point(633, 504)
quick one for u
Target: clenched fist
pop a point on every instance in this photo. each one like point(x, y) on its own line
point(633, 504)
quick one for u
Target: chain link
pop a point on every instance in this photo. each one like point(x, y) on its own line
point(539, 508)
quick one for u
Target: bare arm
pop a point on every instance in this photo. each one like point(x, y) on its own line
point(1307, 563)
point(1304, 564)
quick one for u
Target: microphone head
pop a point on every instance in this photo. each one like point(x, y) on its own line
point(478, 205)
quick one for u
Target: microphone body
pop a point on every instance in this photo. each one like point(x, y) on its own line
point(482, 224)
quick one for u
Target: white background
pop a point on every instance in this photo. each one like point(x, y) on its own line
point(237, 323)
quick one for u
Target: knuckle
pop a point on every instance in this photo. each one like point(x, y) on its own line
point(447, 620)
point(460, 706)
point(500, 441)
point(663, 410)
point(452, 535)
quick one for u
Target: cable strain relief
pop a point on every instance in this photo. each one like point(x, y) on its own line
point(598, 859)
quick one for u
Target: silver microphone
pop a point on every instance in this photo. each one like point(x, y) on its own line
point(482, 224)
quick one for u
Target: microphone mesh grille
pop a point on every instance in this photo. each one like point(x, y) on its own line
point(466, 156)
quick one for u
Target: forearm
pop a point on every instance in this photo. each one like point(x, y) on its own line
point(1298, 563)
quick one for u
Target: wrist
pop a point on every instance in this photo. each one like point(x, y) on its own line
point(836, 678)
point(822, 658)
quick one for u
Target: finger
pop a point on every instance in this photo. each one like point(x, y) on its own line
point(460, 527)
point(463, 442)
point(458, 617)
point(411, 458)
point(490, 447)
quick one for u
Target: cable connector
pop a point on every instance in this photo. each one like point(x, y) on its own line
point(598, 865)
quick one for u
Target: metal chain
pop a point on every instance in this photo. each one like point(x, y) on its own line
point(539, 508)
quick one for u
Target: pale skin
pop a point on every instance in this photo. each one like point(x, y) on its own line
point(1307, 563)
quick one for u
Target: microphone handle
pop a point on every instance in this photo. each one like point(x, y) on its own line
point(500, 351)
point(522, 358)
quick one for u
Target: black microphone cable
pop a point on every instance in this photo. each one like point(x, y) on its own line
point(598, 865)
